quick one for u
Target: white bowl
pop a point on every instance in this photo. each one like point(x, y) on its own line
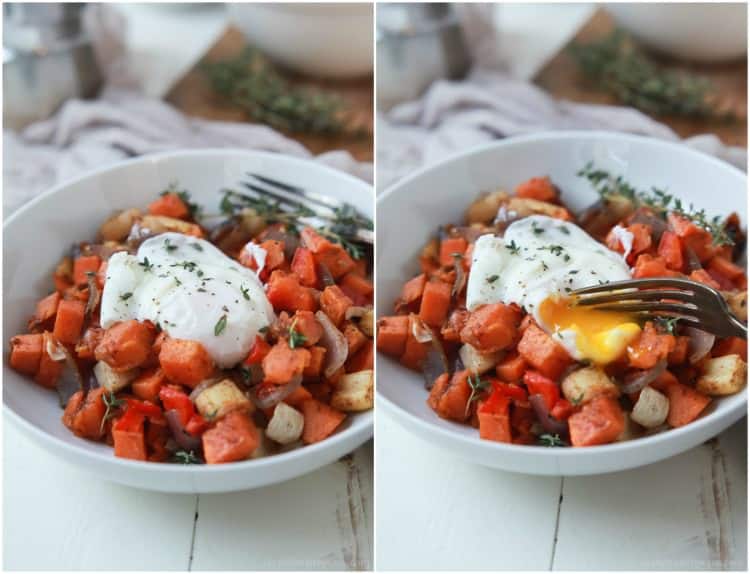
point(701, 32)
point(326, 40)
point(410, 212)
point(37, 235)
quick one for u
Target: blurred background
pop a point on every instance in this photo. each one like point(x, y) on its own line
point(452, 76)
point(90, 84)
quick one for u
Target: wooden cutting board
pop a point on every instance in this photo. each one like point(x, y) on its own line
point(194, 97)
point(562, 78)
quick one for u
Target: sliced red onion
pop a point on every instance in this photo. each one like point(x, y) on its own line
point(202, 386)
point(700, 344)
point(421, 332)
point(94, 295)
point(657, 225)
point(337, 349)
point(634, 382)
point(435, 363)
point(277, 395)
point(290, 241)
point(460, 282)
point(71, 380)
point(325, 275)
point(693, 263)
point(549, 423)
point(356, 312)
point(180, 435)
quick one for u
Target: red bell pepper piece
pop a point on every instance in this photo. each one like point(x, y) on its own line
point(196, 425)
point(258, 352)
point(538, 384)
point(562, 410)
point(174, 399)
point(131, 421)
point(497, 403)
point(511, 390)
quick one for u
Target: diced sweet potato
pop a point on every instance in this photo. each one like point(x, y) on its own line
point(46, 309)
point(286, 294)
point(307, 325)
point(540, 188)
point(412, 290)
point(234, 438)
point(354, 337)
point(84, 265)
point(599, 421)
point(362, 360)
point(414, 351)
point(26, 352)
point(148, 384)
point(449, 396)
point(450, 248)
point(391, 334)
point(685, 404)
point(83, 414)
point(69, 321)
point(185, 362)
point(492, 327)
point(357, 288)
point(49, 370)
point(303, 266)
point(334, 303)
point(126, 345)
point(315, 367)
point(170, 205)
point(436, 300)
point(320, 421)
point(333, 256)
point(650, 347)
point(511, 368)
point(543, 353)
point(282, 363)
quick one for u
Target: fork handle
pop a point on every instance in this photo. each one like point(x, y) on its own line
point(738, 328)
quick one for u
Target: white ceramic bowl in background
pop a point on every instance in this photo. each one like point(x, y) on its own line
point(37, 235)
point(318, 39)
point(412, 210)
point(703, 32)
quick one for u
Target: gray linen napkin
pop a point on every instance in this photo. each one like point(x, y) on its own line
point(454, 116)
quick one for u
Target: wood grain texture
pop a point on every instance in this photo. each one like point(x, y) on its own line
point(194, 97)
point(57, 517)
point(436, 512)
point(685, 513)
point(562, 78)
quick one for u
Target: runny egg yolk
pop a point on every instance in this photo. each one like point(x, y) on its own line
point(600, 336)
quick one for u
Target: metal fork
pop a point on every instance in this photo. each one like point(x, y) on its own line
point(322, 206)
point(696, 304)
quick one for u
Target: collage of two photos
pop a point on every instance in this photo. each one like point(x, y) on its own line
point(374, 286)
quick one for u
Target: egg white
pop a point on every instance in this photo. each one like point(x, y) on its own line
point(188, 287)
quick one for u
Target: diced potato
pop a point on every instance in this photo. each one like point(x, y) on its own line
point(524, 206)
point(651, 410)
point(222, 398)
point(484, 208)
point(161, 223)
point(117, 227)
point(581, 386)
point(354, 392)
point(252, 222)
point(722, 376)
point(286, 424)
point(112, 380)
point(366, 323)
point(477, 361)
point(737, 303)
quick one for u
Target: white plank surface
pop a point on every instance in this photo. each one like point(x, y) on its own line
point(58, 517)
point(438, 512)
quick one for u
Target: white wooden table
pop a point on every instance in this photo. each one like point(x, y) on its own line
point(436, 512)
point(61, 518)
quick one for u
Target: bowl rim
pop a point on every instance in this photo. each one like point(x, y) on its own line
point(362, 432)
point(733, 412)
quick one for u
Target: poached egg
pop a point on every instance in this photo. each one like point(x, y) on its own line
point(191, 290)
point(537, 264)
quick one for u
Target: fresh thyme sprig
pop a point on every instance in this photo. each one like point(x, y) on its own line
point(112, 403)
point(251, 83)
point(666, 324)
point(548, 439)
point(185, 457)
point(616, 65)
point(296, 339)
point(477, 386)
point(661, 202)
point(221, 324)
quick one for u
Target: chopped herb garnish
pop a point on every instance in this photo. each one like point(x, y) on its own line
point(112, 403)
point(536, 229)
point(221, 324)
point(564, 229)
point(168, 246)
point(126, 296)
point(661, 202)
point(666, 324)
point(477, 385)
point(548, 439)
point(493, 278)
point(197, 246)
point(575, 401)
point(146, 264)
point(555, 250)
point(513, 248)
point(185, 457)
point(296, 339)
point(245, 292)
